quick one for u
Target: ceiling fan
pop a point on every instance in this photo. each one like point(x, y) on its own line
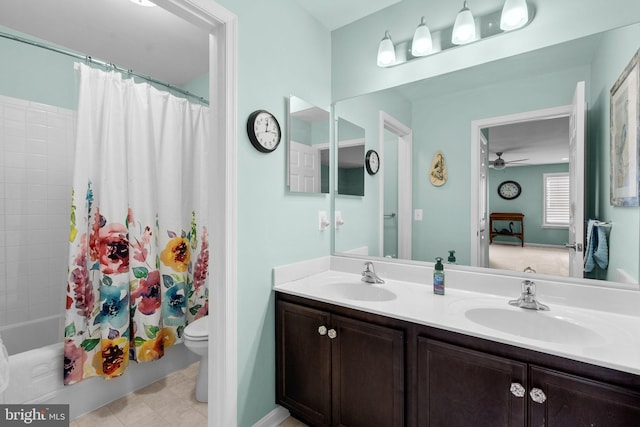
point(500, 163)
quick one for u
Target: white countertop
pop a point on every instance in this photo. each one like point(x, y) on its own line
point(617, 343)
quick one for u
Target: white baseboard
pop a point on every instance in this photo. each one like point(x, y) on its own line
point(273, 418)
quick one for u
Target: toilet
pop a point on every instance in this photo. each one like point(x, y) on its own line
point(196, 339)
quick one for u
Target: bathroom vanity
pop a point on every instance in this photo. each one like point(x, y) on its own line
point(396, 355)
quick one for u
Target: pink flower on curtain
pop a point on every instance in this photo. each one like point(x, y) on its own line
point(140, 250)
point(74, 359)
point(79, 276)
point(114, 249)
point(202, 264)
point(149, 292)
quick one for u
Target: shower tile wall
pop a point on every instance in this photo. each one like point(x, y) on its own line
point(36, 168)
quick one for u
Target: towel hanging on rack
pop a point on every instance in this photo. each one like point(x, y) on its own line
point(597, 252)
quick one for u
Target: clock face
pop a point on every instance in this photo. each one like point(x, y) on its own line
point(509, 190)
point(372, 162)
point(264, 131)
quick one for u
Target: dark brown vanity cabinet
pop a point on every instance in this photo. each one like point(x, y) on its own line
point(338, 371)
point(461, 387)
point(378, 371)
point(570, 400)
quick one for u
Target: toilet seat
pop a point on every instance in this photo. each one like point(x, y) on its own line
point(198, 330)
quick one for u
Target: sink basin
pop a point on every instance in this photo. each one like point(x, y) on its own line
point(360, 291)
point(537, 325)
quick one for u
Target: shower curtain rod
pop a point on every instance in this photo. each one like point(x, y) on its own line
point(107, 65)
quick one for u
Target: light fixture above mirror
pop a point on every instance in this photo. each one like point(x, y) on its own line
point(515, 14)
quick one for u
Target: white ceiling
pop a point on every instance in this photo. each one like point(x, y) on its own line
point(147, 40)
point(534, 142)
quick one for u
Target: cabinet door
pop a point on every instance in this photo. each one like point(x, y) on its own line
point(574, 401)
point(303, 356)
point(367, 374)
point(461, 388)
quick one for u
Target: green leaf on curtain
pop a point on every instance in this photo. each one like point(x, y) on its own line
point(191, 292)
point(107, 281)
point(167, 280)
point(90, 343)
point(96, 266)
point(140, 272)
point(180, 330)
point(195, 308)
point(151, 331)
point(138, 341)
point(70, 330)
point(157, 262)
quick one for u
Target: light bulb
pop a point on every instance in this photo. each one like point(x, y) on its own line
point(515, 14)
point(422, 43)
point(386, 51)
point(464, 29)
point(145, 3)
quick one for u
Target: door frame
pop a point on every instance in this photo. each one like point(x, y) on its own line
point(223, 95)
point(405, 183)
point(477, 243)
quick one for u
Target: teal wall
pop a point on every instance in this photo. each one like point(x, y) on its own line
point(612, 57)
point(275, 227)
point(36, 74)
point(529, 203)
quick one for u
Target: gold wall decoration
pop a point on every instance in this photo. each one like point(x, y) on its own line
point(438, 171)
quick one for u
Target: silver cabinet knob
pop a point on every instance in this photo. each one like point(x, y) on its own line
point(517, 390)
point(322, 330)
point(332, 333)
point(537, 395)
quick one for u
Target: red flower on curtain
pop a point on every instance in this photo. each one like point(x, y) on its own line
point(114, 249)
point(149, 290)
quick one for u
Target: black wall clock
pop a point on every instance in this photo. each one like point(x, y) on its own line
point(372, 162)
point(264, 131)
point(509, 190)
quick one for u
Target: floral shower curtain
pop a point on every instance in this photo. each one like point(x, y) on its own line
point(139, 245)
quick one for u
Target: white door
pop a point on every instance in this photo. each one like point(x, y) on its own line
point(576, 182)
point(304, 168)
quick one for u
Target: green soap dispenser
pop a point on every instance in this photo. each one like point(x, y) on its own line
point(452, 257)
point(438, 277)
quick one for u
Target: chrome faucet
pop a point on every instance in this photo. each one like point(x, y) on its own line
point(528, 298)
point(369, 274)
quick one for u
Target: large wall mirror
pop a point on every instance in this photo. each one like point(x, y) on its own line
point(308, 139)
point(440, 112)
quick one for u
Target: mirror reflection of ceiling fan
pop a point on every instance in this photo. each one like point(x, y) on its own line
point(500, 163)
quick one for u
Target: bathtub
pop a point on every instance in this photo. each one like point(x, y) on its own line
point(35, 359)
point(36, 373)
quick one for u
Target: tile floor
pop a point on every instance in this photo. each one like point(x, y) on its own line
point(156, 405)
point(168, 402)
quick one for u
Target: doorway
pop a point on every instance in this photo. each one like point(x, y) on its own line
point(395, 186)
point(484, 157)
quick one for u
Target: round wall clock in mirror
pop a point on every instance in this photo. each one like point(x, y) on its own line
point(264, 131)
point(372, 162)
point(509, 190)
